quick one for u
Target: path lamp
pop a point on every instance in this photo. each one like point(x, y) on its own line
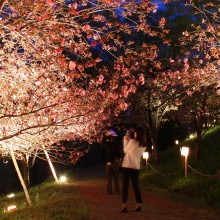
point(11, 195)
point(62, 179)
point(146, 156)
point(191, 136)
point(11, 208)
point(185, 152)
point(176, 142)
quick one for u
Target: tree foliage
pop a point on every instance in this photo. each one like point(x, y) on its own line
point(190, 67)
point(67, 67)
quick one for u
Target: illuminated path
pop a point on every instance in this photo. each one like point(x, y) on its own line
point(91, 183)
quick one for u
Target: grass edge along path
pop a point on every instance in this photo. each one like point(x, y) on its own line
point(51, 201)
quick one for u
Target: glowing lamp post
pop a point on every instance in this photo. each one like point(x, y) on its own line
point(185, 152)
point(146, 156)
point(176, 142)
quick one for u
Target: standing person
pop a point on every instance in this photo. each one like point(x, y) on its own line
point(133, 149)
point(113, 151)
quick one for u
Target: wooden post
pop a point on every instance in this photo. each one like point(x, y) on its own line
point(147, 167)
point(51, 165)
point(186, 167)
point(20, 176)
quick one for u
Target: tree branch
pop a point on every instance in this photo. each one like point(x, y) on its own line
point(2, 3)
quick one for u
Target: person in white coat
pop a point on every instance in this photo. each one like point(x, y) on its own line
point(133, 150)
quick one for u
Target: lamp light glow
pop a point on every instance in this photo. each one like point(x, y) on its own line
point(145, 155)
point(184, 151)
point(177, 142)
point(11, 195)
point(191, 136)
point(62, 179)
point(11, 208)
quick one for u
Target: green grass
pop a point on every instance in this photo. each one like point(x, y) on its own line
point(51, 201)
point(202, 186)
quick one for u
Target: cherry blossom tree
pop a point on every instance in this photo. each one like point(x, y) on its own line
point(202, 62)
point(194, 71)
point(67, 69)
point(200, 112)
point(49, 75)
point(151, 103)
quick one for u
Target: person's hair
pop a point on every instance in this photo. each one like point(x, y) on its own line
point(141, 136)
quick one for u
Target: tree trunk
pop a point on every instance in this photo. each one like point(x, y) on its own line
point(25, 172)
point(198, 143)
point(198, 140)
point(154, 143)
point(155, 150)
point(20, 177)
point(51, 165)
point(183, 129)
point(152, 126)
point(200, 120)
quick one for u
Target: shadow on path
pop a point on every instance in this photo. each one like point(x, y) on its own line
point(91, 184)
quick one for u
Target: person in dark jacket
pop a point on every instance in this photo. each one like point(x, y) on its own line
point(113, 152)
